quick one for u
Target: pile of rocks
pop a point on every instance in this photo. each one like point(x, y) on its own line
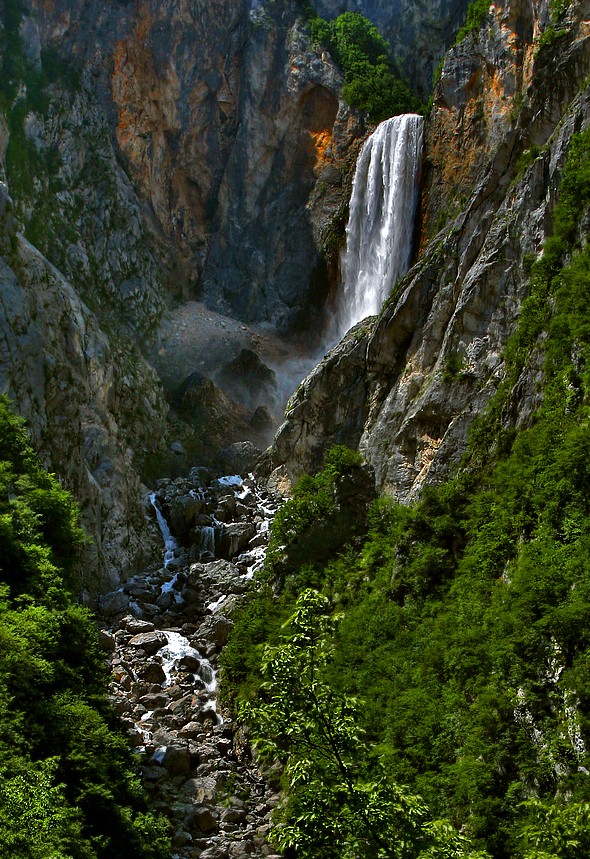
point(164, 631)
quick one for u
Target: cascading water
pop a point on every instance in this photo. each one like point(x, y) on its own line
point(170, 544)
point(207, 543)
point(381, 221)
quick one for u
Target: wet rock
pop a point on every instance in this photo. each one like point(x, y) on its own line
point(233, 815)
point(136, 625)
point(106, 641)
point(153, 701)
point(189, 663)
point(152, 672)
point(191, 731)
point(150, 642)
point(182, 513)
point(235, 537)
point(201, 790)
point(175, 759)
point(214, 853)
point(165, 600)
point(216, 630)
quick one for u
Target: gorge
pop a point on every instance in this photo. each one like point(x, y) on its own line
point(369, 632)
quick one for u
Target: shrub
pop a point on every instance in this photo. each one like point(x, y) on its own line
point(371, 83)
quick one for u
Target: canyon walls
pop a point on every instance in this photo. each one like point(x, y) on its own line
point(405, 387)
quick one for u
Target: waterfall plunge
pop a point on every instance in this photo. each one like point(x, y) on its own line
point(381, 220)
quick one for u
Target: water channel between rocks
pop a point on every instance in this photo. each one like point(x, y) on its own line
point(165, 631)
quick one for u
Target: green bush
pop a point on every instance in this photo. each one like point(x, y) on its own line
point(477, 12)
point(67, 784)
point(371, 83)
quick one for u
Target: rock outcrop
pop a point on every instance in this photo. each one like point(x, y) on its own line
point(224, 118)
point(92, 407)
point(404, 388)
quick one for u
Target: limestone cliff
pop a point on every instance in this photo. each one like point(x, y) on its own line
point(88, 403)
point(405, 387)
point(223, 118)
point(151, 151)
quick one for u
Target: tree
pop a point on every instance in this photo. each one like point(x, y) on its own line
point(371, 82)
point(557, 831)
point(340, 801)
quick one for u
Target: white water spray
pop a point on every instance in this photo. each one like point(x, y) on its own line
point(381, 220)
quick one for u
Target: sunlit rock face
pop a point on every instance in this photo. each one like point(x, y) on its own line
point(406, 386)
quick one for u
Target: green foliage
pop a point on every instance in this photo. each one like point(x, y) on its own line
point(558, 7)
point(313, 500)
point(477, 12)
point(465, 617)
point(24, 90)
point(560, 831)
point(35, 820)
point(549, 36)
point(67, 786)
point(371, 83)
point(335, 808)
point(526, 158)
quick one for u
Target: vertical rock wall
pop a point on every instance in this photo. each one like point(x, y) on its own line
point(405, 387)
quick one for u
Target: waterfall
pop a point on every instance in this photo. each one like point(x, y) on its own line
point(381, 221)
point(207, 543)
point(170, 544)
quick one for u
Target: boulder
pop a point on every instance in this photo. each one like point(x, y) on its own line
point(150, 642)
point(151, 672)
point(216, 629)
point(205, 819)
point(182, 512)
point(214, 853)
point(200, 789)
point(113, 603)
point(135, 625)
point(234, 537)
point(191, 731)
point(175, 759)
point(106, 641)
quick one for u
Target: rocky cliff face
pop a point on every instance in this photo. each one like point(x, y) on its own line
point(93, 408)
point(223, 118)
point(151, 151)
point(405, 387)
point(419, 32)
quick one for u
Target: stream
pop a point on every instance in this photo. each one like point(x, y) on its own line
point(164, 631)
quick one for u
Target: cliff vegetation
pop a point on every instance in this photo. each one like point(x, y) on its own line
point(371, 82)
point(447, 644)
point(68, 787)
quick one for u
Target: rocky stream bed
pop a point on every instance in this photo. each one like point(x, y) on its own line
point(164, 631)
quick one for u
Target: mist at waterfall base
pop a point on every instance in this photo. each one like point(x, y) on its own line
point(379, 234)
